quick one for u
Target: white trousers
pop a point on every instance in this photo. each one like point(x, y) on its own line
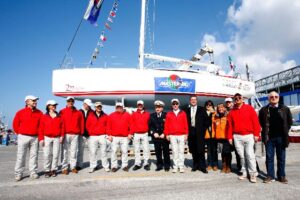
point(121, 142)
point(244, 145)
point(25, 143)
point(93, 142)
point(70, 149)
point(138, 141)
point(177, 145)
point(81, 144)
point(51, 153)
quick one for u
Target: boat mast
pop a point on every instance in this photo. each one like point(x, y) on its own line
point(142, 35)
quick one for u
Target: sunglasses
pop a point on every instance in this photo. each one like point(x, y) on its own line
point(274, 97)
point(175, 103)
point(70, 101)
point(237, 98)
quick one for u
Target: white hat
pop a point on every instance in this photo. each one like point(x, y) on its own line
point(98, 103)
point(51, 102)
point(228, 99)
point(140, 102)
point(88, 102)
point(159, 103)
point(119, 104)
point(70, 97)
point(31, 97)
point(175, 100)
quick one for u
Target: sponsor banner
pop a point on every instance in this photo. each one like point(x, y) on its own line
point(174, 83)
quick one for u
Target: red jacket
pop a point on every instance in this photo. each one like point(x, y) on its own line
point(140, 122)
point(176, 125)
point(73, 121)
point(27, 121)
point(96, 125)
point(242, 121)
point(51, 127)
point(118, 124)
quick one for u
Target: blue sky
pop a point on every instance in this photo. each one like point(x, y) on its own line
point(35, 35)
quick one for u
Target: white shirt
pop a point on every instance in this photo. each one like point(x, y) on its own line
point(176, 111)
point(193, 115)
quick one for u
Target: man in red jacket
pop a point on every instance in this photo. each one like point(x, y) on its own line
point(140, 128)
point(243, 127)
point(118, 127)
point(26, 124)
point(176, 130)
point(96, 126)
point(74, 126)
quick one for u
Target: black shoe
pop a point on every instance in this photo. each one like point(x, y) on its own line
point(136, 167)
point(125, 169)
point(204, 171)
point(147, 167)
point(194, 169)
point(47, 174)
point(158, 169)
point(78, 168)
point(167, 169)
point(54, 173)
point(114, 169)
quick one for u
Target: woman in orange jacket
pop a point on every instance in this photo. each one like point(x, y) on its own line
point(219, 122)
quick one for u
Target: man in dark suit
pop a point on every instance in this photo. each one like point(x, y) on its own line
point(161, 144)
point(198, 123)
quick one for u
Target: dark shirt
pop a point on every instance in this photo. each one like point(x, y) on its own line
point(276, 123)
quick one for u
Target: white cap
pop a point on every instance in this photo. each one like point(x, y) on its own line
point(175, 100)
point(119, 104)
point(51, 102)
point(228, 99)
point(159, 103)
point(98, 103)
point(70, 97)
point(31, 97)
point(140, 102)
point(88, 102)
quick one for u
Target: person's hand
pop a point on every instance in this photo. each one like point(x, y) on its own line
point(256, 138)
point(110, 138)
point(162, 136)
point(168, 138)
point(156, 135)
point(185, 138)
point(230, 141)
point(61, 139)
point(42, 143)
point(129, 136)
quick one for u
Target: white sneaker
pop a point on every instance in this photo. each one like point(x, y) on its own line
point(253, 179)
point(181, 170)
point(34, 176)
point(107, 169)
point(18, 177)
point(92, 170)
point(242, 177)
point(175, 170)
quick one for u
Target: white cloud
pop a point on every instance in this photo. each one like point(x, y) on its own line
point(266, 33)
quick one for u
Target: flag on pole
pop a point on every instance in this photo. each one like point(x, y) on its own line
point(107, 26)
point(110, 20)
point(112, 13)
point(232, 66)
point(102, 37)
point(93, 10)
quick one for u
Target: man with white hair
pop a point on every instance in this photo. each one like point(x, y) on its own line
point(139, 129)
point(276, 120)
point(176, 130)
point(86, 110)
point(26, 124)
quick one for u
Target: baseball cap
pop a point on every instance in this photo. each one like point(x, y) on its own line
point(119, 104)
point(228, 99)
point(98, 103)
point(88, 102)
point(31, 97)
point(51, 102)
point(70, 97)
point(140, 102)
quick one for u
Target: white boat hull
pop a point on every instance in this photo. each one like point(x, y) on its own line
point(111, 84)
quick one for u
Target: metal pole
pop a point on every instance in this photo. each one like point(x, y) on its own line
point(142, 35)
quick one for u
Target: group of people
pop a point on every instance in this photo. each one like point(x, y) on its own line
point(230, 126)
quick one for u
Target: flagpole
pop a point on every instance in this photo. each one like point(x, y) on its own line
point(71, 43)
point(142, 36)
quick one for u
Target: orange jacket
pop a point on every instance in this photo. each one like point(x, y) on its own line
point(207, 134)
point(219, 126)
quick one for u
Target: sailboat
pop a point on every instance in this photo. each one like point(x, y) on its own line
point(128, 85)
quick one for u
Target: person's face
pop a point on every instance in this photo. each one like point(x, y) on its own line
point(31, 103)
point(175, 105)
point(159, 109)
point(273, 98)
point(193, 101)
point(70, 103)
point(86, 107)
point(119, 109)
point(140, 106)
point(209, 107)
point(228, 104)
point(221, 108)
point(52, 108)
point(238, 100)
point(98, 109)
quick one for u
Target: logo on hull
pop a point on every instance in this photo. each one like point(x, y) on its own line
point(174, 83)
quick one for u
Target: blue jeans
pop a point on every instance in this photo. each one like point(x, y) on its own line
point(272, 145)
point(212, 153)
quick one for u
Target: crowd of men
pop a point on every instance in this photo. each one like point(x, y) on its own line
point(230, 126)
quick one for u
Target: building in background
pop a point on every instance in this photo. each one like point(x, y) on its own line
point(286, 83)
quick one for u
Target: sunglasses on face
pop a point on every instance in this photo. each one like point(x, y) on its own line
point(70, 101)
point(274, 97)
point(175, 103)
point(237, 98)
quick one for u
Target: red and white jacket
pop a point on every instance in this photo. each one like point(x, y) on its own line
point(27, 121)
point(118, 124)
point(51, 127)
point(176, 124)
point(96, 125)
point(140, 122)
point(73, 121)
